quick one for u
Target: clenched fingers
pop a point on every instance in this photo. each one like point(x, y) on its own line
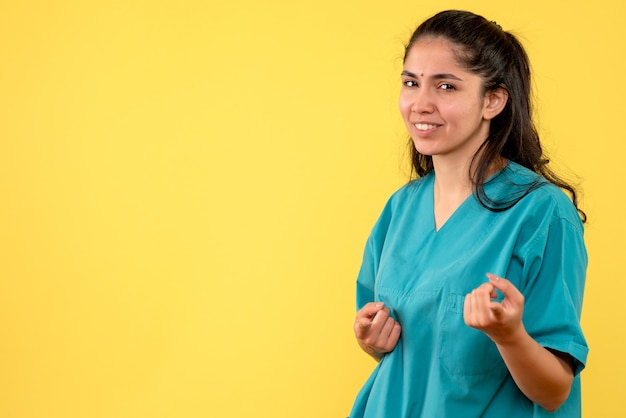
point(376, 329)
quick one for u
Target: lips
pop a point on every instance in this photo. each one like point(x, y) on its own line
point(424, 126)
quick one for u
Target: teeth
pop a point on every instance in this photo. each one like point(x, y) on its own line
point(424, 126)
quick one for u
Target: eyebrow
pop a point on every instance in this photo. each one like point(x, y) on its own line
point(447, 76)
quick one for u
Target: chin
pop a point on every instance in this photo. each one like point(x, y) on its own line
point(425, 151)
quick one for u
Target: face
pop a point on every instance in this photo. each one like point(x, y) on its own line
point(443, 105)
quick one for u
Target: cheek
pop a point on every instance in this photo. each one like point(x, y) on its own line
point(467, 109)
point(457, 113)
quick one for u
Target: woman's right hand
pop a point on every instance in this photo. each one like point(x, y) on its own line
point(376, 331)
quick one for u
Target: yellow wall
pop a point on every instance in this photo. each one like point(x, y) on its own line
point(186, 188)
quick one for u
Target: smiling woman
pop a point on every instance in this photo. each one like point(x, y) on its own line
point(186, 187)
point(448, 342)
point(444, 106)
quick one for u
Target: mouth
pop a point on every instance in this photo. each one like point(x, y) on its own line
point(424, 126)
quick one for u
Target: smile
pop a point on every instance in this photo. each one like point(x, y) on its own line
point(424, 126)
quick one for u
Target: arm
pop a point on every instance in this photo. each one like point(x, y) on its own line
point(545, 377)
point(376, 331)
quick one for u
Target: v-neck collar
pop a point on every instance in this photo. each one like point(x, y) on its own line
point(469, 204)
point(430, 196)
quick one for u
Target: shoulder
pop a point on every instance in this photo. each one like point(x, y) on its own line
point(405, 200)
point(544, 200)
point(410, 191)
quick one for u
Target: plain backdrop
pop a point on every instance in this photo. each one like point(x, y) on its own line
point(186, 188)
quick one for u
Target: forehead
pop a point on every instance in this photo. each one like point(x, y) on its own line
point(430, 54)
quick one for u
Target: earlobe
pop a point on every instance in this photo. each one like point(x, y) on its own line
point(495, 102)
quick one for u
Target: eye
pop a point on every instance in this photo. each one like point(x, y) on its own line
point(409, 83)
point(446, 86)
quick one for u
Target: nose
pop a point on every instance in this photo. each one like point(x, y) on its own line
point(422, 101)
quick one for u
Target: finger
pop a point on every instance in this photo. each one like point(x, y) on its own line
point(370, 309)
point(482, 300)
point(368, 328)
point(394, 336)
point(471, 305)
point(395, 333)
point(387, 328)
point(378, 332)
point(362, 324)
point(471, 310)
point(363, 321)
point(387, 338)
point(506, 287)
point(381, 318)
point(493, 294)
point(497, 311)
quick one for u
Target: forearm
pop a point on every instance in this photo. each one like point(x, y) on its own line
point(541, 375)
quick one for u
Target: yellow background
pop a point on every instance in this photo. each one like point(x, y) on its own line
point(186, 188)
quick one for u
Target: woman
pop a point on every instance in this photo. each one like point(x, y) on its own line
point(451, 342)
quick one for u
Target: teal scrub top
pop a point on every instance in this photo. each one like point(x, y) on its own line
point(440, 366)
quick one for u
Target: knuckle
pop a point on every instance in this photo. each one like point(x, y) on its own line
point(370, 340)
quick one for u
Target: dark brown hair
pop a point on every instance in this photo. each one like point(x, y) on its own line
point(483, 48)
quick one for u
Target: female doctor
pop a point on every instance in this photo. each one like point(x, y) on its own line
point(470, 291)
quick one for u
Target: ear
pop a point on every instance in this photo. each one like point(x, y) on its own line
point(495, 100)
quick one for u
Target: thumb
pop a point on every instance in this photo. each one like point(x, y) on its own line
point(499, 283)
point(363, 324)
point(370, 309)
point(507, 288)
point(497, 309)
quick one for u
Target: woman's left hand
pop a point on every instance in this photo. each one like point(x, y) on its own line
point(501, 321)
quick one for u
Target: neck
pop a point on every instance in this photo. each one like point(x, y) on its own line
point(453, 185)
point(452, 180)
point(455, 178)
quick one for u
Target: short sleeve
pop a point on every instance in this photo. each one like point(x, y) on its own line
point(366, 280)
point(555, 269)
